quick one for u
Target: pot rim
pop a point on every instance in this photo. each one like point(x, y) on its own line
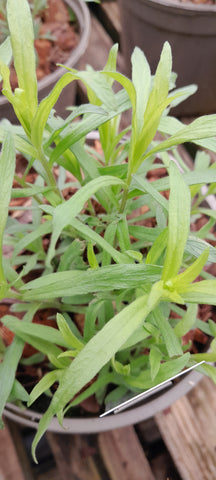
point(95, 424)
point(198, 8)
point(83, 16)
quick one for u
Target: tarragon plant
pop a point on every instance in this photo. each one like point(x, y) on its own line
point(104, 260)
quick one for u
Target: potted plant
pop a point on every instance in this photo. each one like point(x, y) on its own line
point(55, 35)
point(115, 263)
point(189, 27)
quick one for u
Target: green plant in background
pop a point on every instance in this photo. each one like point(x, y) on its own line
point(126, 278)
point(36, 6)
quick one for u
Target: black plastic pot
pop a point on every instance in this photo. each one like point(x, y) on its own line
point(46, 84)
point(191, 32)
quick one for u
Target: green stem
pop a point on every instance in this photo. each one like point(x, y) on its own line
point(125, 193)
point(50, 177)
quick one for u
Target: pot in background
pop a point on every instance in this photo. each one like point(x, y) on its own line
point(46, 84)
point(191, 31)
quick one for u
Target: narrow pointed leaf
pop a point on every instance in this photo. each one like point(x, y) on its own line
point(22, 40)
point(192, 272)
point(200, 292)
point(102, 347)
point(64, 213)
point(141, 78)
point(77, 282)
point(7, 168)
point(179, 223)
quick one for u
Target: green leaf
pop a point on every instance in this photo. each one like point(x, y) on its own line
point(64, 213)
point(201, 128)
point(146, 187)
point(6, 52)
point(8, 370)
point(88, 124)
point(126, 84)
point(179, 223)
point(158, 95)
point(171, 341)
point(120, 368)
point(109, 237)
point(7, 168)
point(43, 229)
point(191, 273)
point(158, 247)
point(112, 58)
point(187, 322)
point(44, 109)
point(18, 392)
point(212, 327)
point(49, 334)
point(12, 356)
point(167, 370)
point(90, 319)
point(123, 234)
point(196, 246)
point(102, 347)
point(190, 178)
point(29, 191)
point(45, 383)
point(210, 369)
point(21, 144)
point(98, 83)
point(208, 211)
point(90, 168)
point(199, 292)
point(72, 258)
point(77, 282)
point(91, 256)
point(141, 78)
point(171, 125)
point(67, 333)
point(22, 40)
point(89, 234)
point(154, 359)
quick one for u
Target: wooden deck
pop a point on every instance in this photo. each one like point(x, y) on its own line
point(177, 444)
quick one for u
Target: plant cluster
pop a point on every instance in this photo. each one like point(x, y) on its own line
point(129, 278)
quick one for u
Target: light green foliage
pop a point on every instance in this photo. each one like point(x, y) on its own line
point(120, 253)
point(7, 168)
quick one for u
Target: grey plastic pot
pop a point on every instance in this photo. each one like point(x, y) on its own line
point(46, 84)
point(95, 424)
point(191, 32)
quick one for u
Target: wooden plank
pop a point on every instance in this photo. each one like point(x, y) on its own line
point(18, 442)
point(190, 433)
point(74, 457)
point(10, 468)
point(203, 401)
point(123, 455)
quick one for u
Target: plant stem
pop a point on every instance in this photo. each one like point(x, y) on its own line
point(125, 194)
point(50, 177)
